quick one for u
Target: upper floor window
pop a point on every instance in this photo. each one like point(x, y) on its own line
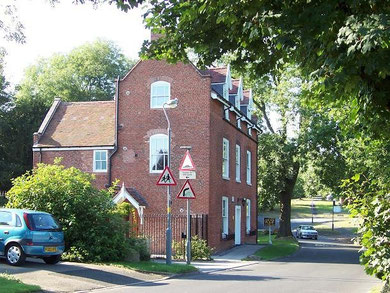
point(238, 163)
point(248, 167)
point(160, 93)
point(239, 123)
point(226, 112)
point(250, 131)
point(158, 153)
point(100, 161)
point(225, 159)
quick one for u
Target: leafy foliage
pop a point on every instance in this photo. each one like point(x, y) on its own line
point(368, 197)
point(199, 249)
point(86, 73)
point(94, 230)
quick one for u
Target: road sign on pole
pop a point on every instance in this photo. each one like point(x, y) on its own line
point(187, 164)
point(187, 175)
point(166, 178)
point(186, 191)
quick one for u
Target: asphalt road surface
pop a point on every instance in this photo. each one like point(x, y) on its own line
point(325, 265)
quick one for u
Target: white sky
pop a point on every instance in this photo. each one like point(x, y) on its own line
point(50, 30)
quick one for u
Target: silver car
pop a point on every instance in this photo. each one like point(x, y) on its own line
point(306, 231)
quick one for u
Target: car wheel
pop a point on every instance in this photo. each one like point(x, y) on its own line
point(15, 255)
point(52, 260)
point(315, 238)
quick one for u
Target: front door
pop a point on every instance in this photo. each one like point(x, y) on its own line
point(237, 226)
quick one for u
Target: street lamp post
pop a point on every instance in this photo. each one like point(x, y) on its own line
point(168, 235)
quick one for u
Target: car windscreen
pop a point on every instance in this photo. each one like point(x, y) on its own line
point(307, 228)
point(44, 222)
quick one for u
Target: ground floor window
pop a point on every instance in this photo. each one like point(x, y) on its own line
point(248, 216)
point(225, 218)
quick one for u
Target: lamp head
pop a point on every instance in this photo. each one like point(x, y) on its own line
point(171, 103)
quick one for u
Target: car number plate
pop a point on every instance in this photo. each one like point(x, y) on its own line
point(50, 249)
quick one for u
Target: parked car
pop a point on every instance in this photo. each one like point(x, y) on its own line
point(30, 233)
point(306, 231)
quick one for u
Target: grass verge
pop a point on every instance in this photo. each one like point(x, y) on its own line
point(11, 285)
point(154, 267)
point(280, 247)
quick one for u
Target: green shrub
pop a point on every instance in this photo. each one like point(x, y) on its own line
point(141, 246)
point(94, 228)
point(199, 249)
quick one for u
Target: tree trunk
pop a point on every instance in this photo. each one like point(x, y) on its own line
point(285, 204)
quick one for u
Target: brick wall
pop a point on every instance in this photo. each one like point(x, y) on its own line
point(81, 159)
point(189, 124)
point(221, 128)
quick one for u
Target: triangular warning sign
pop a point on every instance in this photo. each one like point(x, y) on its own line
point(186, 191)
point(187, 164)
point(166, 177)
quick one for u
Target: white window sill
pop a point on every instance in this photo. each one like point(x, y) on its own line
point(99, 171)
point(225, 178)
point(238, 181)
point(156, 172)
point(249, 183)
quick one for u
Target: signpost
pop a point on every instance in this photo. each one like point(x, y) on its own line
point(187, 171)
point(269, 222)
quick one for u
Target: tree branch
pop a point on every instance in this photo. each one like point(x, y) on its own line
point(261, 106)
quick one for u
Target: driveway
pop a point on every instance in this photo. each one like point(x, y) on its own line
point(71, 277)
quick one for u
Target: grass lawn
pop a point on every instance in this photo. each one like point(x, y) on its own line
point(280, 247)
point(154, 267)
point(11, 285)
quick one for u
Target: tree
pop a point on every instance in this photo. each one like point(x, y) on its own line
point(368, 195)
point(94, 231)
point(295, 137)
point(342, 45)
point(87, 73)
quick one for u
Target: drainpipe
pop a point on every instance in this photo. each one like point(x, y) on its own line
point(116, 133)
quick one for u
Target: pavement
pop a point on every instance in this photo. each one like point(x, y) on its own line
point(80, 277)
point(226, 260)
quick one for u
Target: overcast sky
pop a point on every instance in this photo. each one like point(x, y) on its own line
point(50, 30)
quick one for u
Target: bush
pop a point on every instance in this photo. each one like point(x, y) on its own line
point(199, 249)
point(94, 228)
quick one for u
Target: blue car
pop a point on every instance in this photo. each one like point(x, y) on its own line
point(30, 233)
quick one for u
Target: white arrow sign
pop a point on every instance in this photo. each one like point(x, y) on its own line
point(186, 191)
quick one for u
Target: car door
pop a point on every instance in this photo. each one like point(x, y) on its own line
point(6, 228)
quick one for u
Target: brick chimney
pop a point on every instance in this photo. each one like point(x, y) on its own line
point(154, 36)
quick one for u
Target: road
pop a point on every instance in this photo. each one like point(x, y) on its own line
point(324, 265)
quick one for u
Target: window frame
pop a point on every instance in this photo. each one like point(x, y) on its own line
point(225, 158)
point(248, 216)
point(225, 216)
point(159, 83)
point(248, 167)
point(95, 170)
point(238, 163)
point(156, 136)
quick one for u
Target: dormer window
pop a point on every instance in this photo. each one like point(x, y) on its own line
point(160, 93)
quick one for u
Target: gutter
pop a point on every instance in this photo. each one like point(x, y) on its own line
point(116, 134)
point(231, 107)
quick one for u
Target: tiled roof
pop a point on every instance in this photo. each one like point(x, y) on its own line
point(217, 74)
point(80, 124)
point(137, 196)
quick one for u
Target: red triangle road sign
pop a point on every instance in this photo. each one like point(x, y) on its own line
point(186, 191)
point(166, 178)
point(187, 164)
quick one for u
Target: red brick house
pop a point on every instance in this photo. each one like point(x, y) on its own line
point(126, 139)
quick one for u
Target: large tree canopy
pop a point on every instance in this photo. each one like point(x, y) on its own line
point(343, 45)
point(86, 73)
